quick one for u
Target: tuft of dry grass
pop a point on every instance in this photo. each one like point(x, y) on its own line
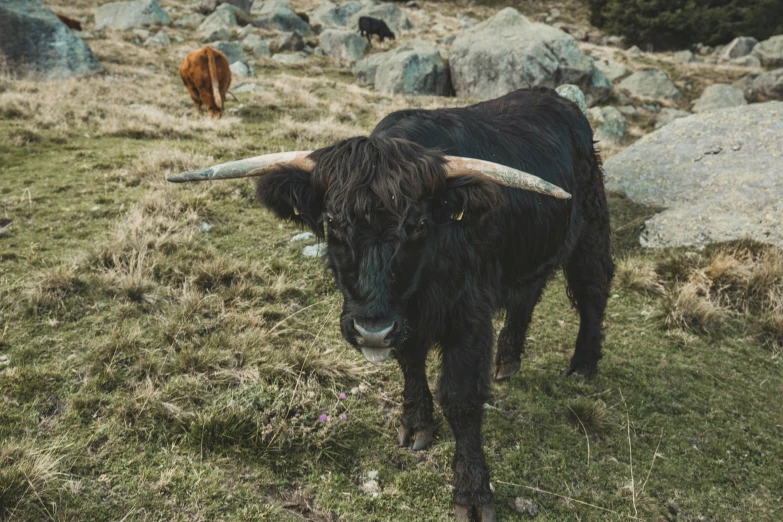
point(27, 477)
point(742, 280)
point(53, 288)
point(689, 306)
point(638, 275)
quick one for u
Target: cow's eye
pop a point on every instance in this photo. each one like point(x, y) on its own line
point(417, 229)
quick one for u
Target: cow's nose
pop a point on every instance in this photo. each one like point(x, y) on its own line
point(373, 334)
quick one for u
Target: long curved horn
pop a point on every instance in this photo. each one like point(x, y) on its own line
point(257, 166)
point(510, 177)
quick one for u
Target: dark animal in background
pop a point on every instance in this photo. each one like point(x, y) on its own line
point(72, 23)
point(369, 26)
point(426, 242)
point(206, 74)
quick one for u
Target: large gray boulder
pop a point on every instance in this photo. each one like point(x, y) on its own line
point(189, 21)
point(331, 15)
point(650, 83)
point(509, 52)
point(719, 96)
point(609, 124)
point(347, 46)
point(220, 19)
point(277, 15)
point(35, 43)
point(394, 17)
point(232, 50)
point(415, 67)
point(575, 94)
point(127, 15)
point(770, 51)
point(738, 47)
point(717, 172)
point(762, 86)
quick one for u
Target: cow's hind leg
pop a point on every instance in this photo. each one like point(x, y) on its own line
point(589, 272)
point(464, 388)
point(511, 341)
point(194, 95)
point(417, 424)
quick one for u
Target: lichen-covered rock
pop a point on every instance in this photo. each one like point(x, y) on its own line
point(209, 6)
point(609, 124)
point(415, 67)
point(650, 83)
point(738, 47)
point(331, 15)
point(35, 43)
point(509, 52)
point(159, 40)
point(287, 42)
point(348, 46)
point(717, 172)
point(770, 51)
point(232, 50)
point(575, 94)
point(220, 19)
point(127, 15)
point(277, 15)
point(612, 70)
point(763, 86)
point(190, 21)
point(719, 96)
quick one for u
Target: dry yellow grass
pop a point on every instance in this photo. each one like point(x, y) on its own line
point(638, 274)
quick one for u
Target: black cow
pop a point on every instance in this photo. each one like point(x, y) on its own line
point(425, 247)
point(369, 26)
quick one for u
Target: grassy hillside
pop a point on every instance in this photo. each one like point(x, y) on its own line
point(166, 353)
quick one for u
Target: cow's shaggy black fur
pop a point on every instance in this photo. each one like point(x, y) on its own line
point(439, 256)
point(369, 26)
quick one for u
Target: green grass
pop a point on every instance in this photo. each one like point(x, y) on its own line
point(156, 371)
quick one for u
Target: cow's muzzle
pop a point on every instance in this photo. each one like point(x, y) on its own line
point(374, 339)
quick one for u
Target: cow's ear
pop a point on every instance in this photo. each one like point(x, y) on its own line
point(289, 193)
point(468, 198)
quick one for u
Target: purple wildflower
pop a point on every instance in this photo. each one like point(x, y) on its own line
point(341, 396)
point(344, 416)
point(296, 415)
point(323, 417)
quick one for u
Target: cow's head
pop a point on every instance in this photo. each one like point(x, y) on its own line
point(381, 204)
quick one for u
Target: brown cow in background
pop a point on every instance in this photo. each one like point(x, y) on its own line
point(206, 75)
point(76, 25)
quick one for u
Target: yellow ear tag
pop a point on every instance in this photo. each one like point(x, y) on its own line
point(296, 211)
point(458, 217)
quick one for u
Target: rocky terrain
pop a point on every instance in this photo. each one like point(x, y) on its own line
point(172, 352)
point(471, 53)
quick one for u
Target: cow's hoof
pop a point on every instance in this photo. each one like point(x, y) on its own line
point(504, 371)
point(585, 370)
point(484, 513)
point(421, 438)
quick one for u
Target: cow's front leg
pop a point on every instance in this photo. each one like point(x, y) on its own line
point(464, 387)
point(417, 423)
